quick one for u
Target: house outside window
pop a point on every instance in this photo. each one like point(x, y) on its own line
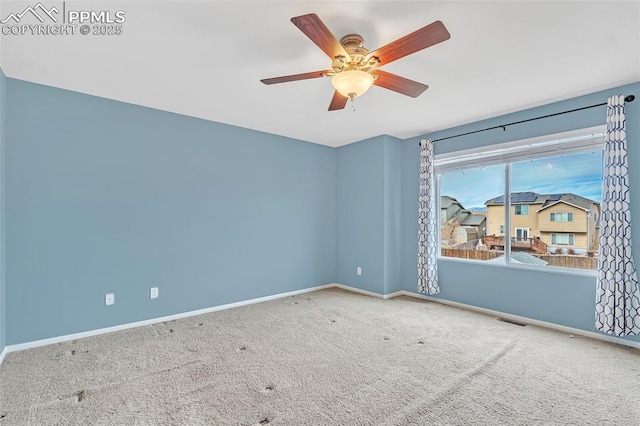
point(457, 224)
point(549, 215)
point(510, 187)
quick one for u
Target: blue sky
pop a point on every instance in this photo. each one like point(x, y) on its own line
point(579, 174)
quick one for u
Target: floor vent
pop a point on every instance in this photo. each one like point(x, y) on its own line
point(512, 322)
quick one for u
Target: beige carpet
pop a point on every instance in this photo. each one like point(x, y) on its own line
point(325, 358)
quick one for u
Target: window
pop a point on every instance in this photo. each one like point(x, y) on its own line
point(561, 217)
point(522, 209)
point(533, 176)
point(562, 239)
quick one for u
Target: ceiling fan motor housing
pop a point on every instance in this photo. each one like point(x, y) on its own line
point(354, 45)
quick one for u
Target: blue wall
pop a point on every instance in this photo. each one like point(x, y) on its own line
point(558, 298)
point(105, 197)
point(3, 306)
point(368, 214)
point(392, 214)
point(361, 214)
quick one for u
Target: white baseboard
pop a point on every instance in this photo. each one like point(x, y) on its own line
point(367, 292)
point(525, 320)
point(3, 354)
point(394, 294)
point(517, 318)
point(76, 336)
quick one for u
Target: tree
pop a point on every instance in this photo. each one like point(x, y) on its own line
point(449, 230)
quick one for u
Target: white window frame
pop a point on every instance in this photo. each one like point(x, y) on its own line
point(573, 142)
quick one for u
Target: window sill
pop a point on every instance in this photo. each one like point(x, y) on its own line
point(543, 269)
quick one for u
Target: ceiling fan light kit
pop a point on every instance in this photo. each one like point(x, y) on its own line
point(354, 68)
point(352, 83)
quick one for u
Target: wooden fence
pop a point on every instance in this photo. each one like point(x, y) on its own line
point(575, 262)
point(472, 254)
point(557, 260)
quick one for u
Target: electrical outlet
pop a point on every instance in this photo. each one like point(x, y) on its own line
point(153, 293)
point(109, 299)
point(359, 270)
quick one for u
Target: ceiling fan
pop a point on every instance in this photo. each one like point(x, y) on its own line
point(354, 69)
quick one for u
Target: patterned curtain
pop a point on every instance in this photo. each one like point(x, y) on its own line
point(618, 293)
point(427, 223)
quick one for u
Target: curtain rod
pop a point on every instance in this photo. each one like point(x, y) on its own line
point(629, 98)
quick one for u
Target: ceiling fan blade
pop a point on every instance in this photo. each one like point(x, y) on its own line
point(399, 84)
point(295, 77)
point(430, 35)
point(338, 101)
point(318, 32)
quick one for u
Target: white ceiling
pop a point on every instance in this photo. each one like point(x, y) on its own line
point(205, 59)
